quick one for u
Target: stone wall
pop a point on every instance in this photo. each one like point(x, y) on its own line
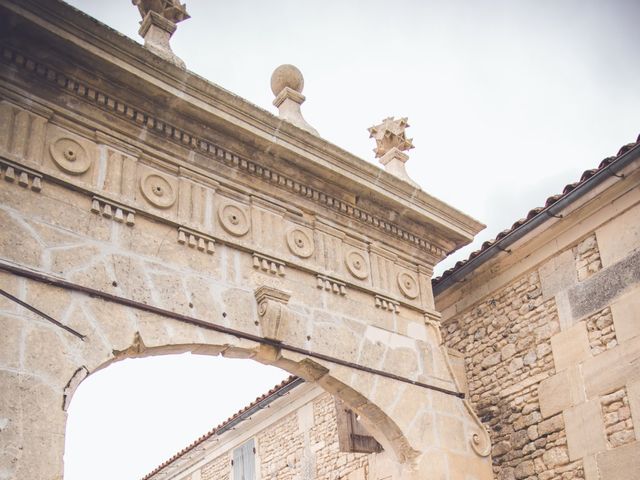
point(506, 340)
point(301, 445)
point(552, 347)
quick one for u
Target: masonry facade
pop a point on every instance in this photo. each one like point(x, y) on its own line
point(544, 338)
point(215, 227)
point(293, 435)
point(549, 330)
point(146, 211)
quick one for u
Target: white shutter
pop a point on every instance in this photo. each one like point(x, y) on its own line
point(244, 464)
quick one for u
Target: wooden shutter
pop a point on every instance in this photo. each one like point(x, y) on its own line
point(352, 436)
point(244, 462)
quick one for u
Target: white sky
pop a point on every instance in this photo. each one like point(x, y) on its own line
point(507, 100)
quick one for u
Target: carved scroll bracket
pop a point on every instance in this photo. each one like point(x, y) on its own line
point(272, 311)
point(480, 440)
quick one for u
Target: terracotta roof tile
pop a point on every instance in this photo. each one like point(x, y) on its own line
point(212, 432)
point(535, 211)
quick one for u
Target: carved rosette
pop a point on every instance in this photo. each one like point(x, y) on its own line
point(300, 242)
point(234, 219)
point(408, 285)
point(157, 190)
point(272, 311)
point(357, 264)
point(70, 156)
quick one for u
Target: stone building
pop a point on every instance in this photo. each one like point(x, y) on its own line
point(295, 430)
point(131, 229)
point(543, 327)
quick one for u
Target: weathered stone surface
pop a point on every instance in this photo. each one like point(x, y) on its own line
point(619, 237)
point(585, 430)
point(612, 369)
point(633, 392)
point(557, 274)
point(560, 392)
point(598, 291)
point(11, 341)
point(622, 463)
point(18, 242)
point(570, 347)
point(551, 425)
point(524, 469)
point(626, 315)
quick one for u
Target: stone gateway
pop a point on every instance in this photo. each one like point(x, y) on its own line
point(146, 211)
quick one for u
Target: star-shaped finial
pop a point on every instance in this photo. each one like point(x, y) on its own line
point(172, 10)
point(390, 134)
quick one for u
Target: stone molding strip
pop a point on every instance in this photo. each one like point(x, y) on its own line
point(190, 140)
point(198, 240)
point(25, 177)
point(122, 213)
point(111, 209)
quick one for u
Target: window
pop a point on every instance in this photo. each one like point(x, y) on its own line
point(244, 461)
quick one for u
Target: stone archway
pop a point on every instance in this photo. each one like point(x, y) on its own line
point(213, 226)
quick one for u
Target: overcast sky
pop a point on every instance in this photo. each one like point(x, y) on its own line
point(507, 100)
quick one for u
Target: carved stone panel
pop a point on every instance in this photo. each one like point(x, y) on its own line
point(300, 241)
point(408, 284)
point(119, 173)
point(70, 154)
point(234, 218)
point(22, 133)
point(357, 263)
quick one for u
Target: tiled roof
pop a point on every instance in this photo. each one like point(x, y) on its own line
point(536, 211)
point(235, 418)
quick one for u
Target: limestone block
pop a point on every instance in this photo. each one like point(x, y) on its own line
point(465, 467)
point(558, 274)
point(456, 359)
point(10, 341)
point(553, 424)
point(633, 394)
point(240, 309)
point(563, 390)
point(387, 392)
point(95, 275)
point(612, 369)
point(18, 243)
point(423, 430)
point(53, 362)
point(52, 236)
point(619, 237)
point(626, 315)
point(117, 324)
point(51, 300)
point(405, 412)
point(451, 432)
point(622, 463)
point(585, 430)
point(131, 277)
point(330, 336)
point(570, 347)
point(604, 287)
point(372, 353)
point(590, 468)
point(169, 291)
point(402, 361)
point(9, 283)
point(524, 469)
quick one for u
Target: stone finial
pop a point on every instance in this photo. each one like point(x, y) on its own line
point(391, 143)
point(159, 19)
point(287, 83)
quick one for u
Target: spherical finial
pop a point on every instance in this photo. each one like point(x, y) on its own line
point(286, 76)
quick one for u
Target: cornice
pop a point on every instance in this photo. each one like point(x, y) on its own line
point(211, 150)
point(72, 26)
